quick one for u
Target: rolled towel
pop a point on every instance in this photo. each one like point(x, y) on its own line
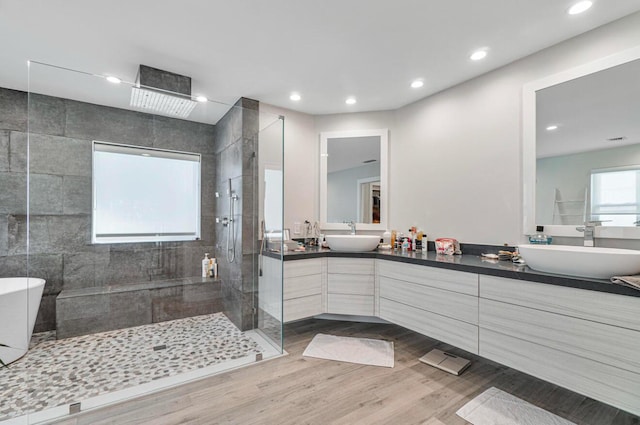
point(630, 281)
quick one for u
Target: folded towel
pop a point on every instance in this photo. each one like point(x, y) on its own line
point(629, 281)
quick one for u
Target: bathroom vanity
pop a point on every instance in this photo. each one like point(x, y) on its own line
point(582, 334)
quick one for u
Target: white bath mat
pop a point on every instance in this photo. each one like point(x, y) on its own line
point(373, 352)
point(495, 407)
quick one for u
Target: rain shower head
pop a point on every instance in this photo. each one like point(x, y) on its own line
point(162, 92)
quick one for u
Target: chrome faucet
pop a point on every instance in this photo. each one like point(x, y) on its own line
point(589, 229)
point(352, 226)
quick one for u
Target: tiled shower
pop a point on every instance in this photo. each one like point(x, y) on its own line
point(46, 138)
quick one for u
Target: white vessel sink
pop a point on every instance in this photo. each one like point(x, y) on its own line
point(353, 243)
point(599, 263)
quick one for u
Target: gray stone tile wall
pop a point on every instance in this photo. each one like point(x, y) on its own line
point(60, 198)
point(236, 138)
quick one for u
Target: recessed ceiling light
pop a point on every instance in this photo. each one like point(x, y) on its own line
point(114, 80)
point(295, 97)
point(201, 99)
point(416, 84)
point(552, 127)
point(350, 101)
point(478, 54)
point(580, 7)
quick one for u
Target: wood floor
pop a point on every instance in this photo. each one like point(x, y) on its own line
point(299, 390)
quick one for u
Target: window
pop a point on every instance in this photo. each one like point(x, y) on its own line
point(615, 196)
point(144, 195)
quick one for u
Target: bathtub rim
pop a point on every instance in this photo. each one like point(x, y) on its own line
point(10, 285)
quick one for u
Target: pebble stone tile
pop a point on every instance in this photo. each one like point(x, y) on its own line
point(58, 372)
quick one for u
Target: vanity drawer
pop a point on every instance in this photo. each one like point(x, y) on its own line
point(296, 287)
point(454, 332)
point(602, 307)
point(302, 267)
point(600, 381)
point(350, 284)
point(449, 280)
point(607, 344)
point(451, 304)
point(364, 266)
point(361, 305)
point(300, 308)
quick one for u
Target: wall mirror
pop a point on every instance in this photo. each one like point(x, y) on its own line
point(581, 149)
point(353, 179)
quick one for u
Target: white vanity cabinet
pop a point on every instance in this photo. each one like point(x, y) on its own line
point(439, 303)
point(583, 340)
point(302, 288)
point(350, 286)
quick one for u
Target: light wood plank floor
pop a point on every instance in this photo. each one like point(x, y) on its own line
point(300, 390)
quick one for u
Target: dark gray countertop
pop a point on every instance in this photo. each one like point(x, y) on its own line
point(469, 263)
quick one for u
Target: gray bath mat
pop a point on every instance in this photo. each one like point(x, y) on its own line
point(495, 407)
point(367, 351)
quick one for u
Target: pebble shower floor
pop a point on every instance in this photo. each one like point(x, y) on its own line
point(58, 372)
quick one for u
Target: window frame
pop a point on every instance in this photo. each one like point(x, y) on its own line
point(598, 215)
point(122, 148)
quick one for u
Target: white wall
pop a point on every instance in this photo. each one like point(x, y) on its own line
point(455, 157)
point(470, 136)
point(301, 166)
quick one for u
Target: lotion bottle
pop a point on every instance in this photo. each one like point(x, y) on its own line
point(206, 263)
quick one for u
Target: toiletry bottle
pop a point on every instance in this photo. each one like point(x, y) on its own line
point(425, 243)
point(393, 239)
point(405, 244)
point(215, 270)
point(205, 265)
point(540, 238)
point(419, 241)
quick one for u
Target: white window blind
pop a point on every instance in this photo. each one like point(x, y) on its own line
point(615, 196)
point(144, 195)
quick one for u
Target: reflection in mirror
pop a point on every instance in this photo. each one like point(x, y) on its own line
point(588, 156)
point(353, 179)
point(581, 149)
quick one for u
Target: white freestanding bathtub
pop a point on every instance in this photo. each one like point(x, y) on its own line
point(19, 304)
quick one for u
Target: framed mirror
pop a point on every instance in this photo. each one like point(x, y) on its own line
point(581, 149)
point(353, 179)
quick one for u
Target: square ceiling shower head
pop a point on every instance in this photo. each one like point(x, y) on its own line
point(162, 92)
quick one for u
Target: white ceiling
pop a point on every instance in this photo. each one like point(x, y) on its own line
point(324, 49)
point(588, 111)
point(349, 152)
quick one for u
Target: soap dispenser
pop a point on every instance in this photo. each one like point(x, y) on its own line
point(540, 238)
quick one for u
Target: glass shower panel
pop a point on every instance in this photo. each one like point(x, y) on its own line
point(270, 216)
point(127, 311)
point(17, 313)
